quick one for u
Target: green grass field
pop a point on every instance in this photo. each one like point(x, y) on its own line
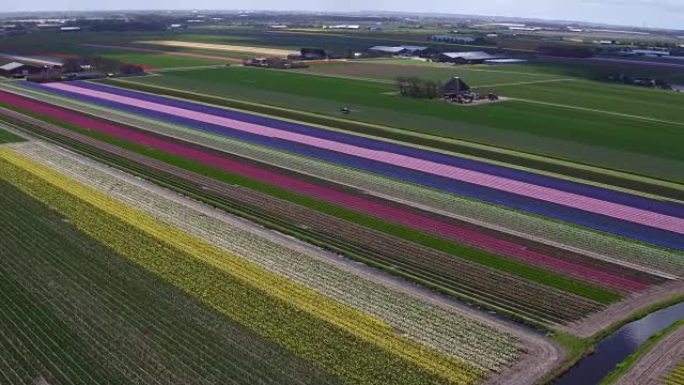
point(476, 76)
point(161, 60)
point(596, 137)
point(8, 137)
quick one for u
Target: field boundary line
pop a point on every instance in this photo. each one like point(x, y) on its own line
point(545, 159)
point(595, 110)
point(465, 67)
point(370, 80)
point(187, 68)
point(526, 83)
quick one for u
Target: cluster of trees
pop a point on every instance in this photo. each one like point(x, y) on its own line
point(419, 88)
point(100, 64)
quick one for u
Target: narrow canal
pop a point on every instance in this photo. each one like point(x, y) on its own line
point(615, 348)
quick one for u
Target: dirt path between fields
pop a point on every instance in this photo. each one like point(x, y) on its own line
point(616, 312)
point(658, 362)
point(221, 47)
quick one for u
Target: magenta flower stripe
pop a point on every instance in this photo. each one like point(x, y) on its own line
point(594, 205)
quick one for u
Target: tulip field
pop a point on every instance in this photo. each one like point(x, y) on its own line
point(329, 202)
point(676, 377)
point(341, 256)
point(348, 344)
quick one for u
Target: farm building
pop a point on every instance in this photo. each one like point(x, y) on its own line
point(645, 52)
point(313, 54)
point(452, 39)
point(456, 86)
point(505, 61)
point(402, 50)
point(474, 57)
point(16, 69)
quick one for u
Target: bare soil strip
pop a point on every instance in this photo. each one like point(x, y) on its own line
point(658, 362)
point(618, 311)
point(221, 47)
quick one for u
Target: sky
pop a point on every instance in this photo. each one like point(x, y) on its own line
point(648, 13)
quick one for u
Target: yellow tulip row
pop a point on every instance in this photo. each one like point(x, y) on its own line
point(262, 298)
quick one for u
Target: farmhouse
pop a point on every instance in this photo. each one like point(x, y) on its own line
point(455, 87)
point(16, 69)
point(313, 54)
point(474, 57)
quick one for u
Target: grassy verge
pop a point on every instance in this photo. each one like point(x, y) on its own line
point(8, 137)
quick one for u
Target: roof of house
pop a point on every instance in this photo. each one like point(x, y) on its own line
point(384, 48)
point(474, 55)
point(505, 61)
point(11, 66)
point(456, 85)
point(414, 47)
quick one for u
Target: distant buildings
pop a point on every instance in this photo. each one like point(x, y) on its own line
point(525, 29)
point(473, 57)
point(452, 39)
point(313, 54)
point(16, 69)
point(645, 53)
point(402, 50)
point(505, 61)
point(342, 26)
